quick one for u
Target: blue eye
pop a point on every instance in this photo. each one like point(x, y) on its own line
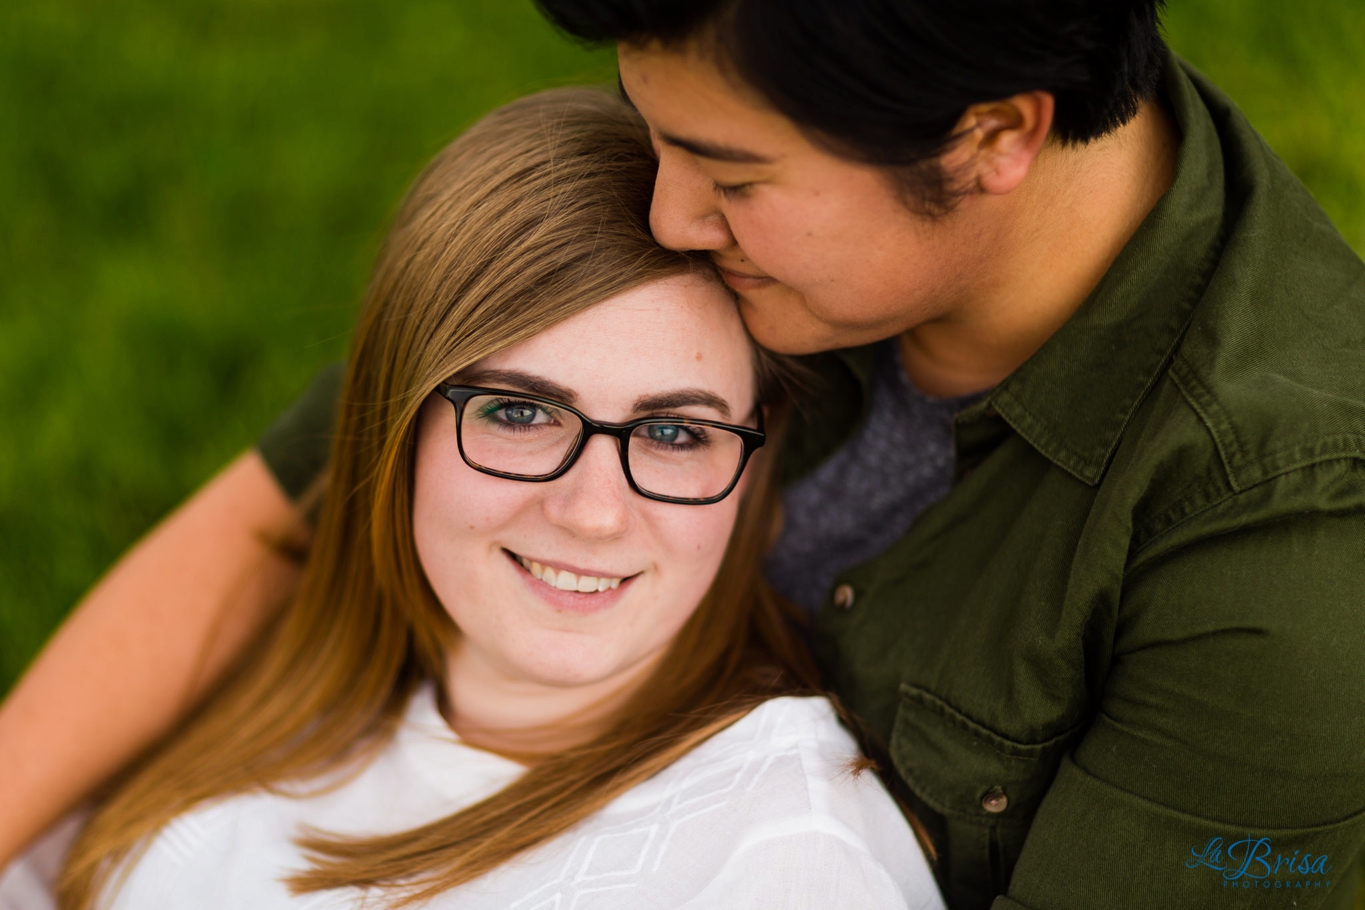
point(664, 432)
point(512, 413)
point(675, 436)
point(519, 414)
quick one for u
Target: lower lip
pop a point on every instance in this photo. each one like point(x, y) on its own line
point(744, 282)
point(574, 602)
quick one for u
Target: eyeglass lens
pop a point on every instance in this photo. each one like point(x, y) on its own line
point(531, 438)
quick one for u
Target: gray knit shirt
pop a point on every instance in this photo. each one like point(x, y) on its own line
point(865, 496)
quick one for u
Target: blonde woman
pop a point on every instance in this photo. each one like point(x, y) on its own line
point(532, 662)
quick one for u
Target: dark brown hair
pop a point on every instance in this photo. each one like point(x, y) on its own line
point(886, 82)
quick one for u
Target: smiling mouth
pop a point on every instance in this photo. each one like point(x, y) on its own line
point(565, 580)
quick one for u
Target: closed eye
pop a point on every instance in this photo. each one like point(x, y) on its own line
point(732, 190)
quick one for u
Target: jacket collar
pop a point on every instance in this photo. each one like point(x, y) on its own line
point(1073, 398)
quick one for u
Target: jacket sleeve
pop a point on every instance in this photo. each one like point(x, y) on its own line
point(1226, 764)
point(296, 446)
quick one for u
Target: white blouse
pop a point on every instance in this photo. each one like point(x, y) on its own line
point(765, 814)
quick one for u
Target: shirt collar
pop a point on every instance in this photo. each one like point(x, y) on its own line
point(1072, 399)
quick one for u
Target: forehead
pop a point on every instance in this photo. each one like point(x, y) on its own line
point(675, 333)
point(684, 95)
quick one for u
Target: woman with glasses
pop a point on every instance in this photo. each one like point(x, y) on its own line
point(532, 662)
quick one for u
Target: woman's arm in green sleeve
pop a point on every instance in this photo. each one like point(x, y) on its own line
point(165, 622)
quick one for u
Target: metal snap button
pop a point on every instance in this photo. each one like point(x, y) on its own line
point(995, 801)
point(843, 597)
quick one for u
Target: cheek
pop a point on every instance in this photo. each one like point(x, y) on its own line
point(431, 518)
point(810, 238)
point(437, 529)
point(696, 546)
point(456, 513)
point(778, 234)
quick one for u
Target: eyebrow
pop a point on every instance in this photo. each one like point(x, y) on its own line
point(715, 152)
point(523, 382)
point(537, 385)
point(681, 398)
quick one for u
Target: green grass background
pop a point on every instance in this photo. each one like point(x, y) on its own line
point(191, 192)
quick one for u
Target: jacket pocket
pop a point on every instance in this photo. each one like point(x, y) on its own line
point(986, 786)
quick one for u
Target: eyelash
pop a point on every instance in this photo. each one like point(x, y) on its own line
point(730, 192)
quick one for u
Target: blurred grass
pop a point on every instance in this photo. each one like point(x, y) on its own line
point(1297, 70)
point(191, 192)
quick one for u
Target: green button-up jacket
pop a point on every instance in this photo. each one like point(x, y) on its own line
point(1122, 663)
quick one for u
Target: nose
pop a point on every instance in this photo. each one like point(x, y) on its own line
point(592, 500)
point(683, 214)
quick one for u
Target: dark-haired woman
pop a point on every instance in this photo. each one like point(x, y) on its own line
point(1080, 508)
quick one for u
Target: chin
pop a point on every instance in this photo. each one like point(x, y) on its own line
point(568, 667)
point(780, 322)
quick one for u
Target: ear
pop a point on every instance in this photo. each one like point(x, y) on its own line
point(1000, 141)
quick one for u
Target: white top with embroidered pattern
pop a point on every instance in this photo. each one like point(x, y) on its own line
point(765, 814)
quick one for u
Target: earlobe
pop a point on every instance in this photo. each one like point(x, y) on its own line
point(1000, 140)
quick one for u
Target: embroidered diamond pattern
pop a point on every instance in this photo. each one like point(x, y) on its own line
point(617, 854)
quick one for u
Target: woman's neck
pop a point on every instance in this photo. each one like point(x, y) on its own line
point(525, 719)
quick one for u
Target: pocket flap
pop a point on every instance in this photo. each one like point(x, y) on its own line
point(962, 769)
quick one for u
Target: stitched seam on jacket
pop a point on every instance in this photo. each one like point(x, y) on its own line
point(1142, 542)
point(1202, 402)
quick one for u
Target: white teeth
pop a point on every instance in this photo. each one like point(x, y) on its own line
point(568, 581)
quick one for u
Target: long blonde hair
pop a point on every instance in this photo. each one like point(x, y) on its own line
point(536, 213)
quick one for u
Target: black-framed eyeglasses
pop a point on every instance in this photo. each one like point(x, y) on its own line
point(670, 459)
